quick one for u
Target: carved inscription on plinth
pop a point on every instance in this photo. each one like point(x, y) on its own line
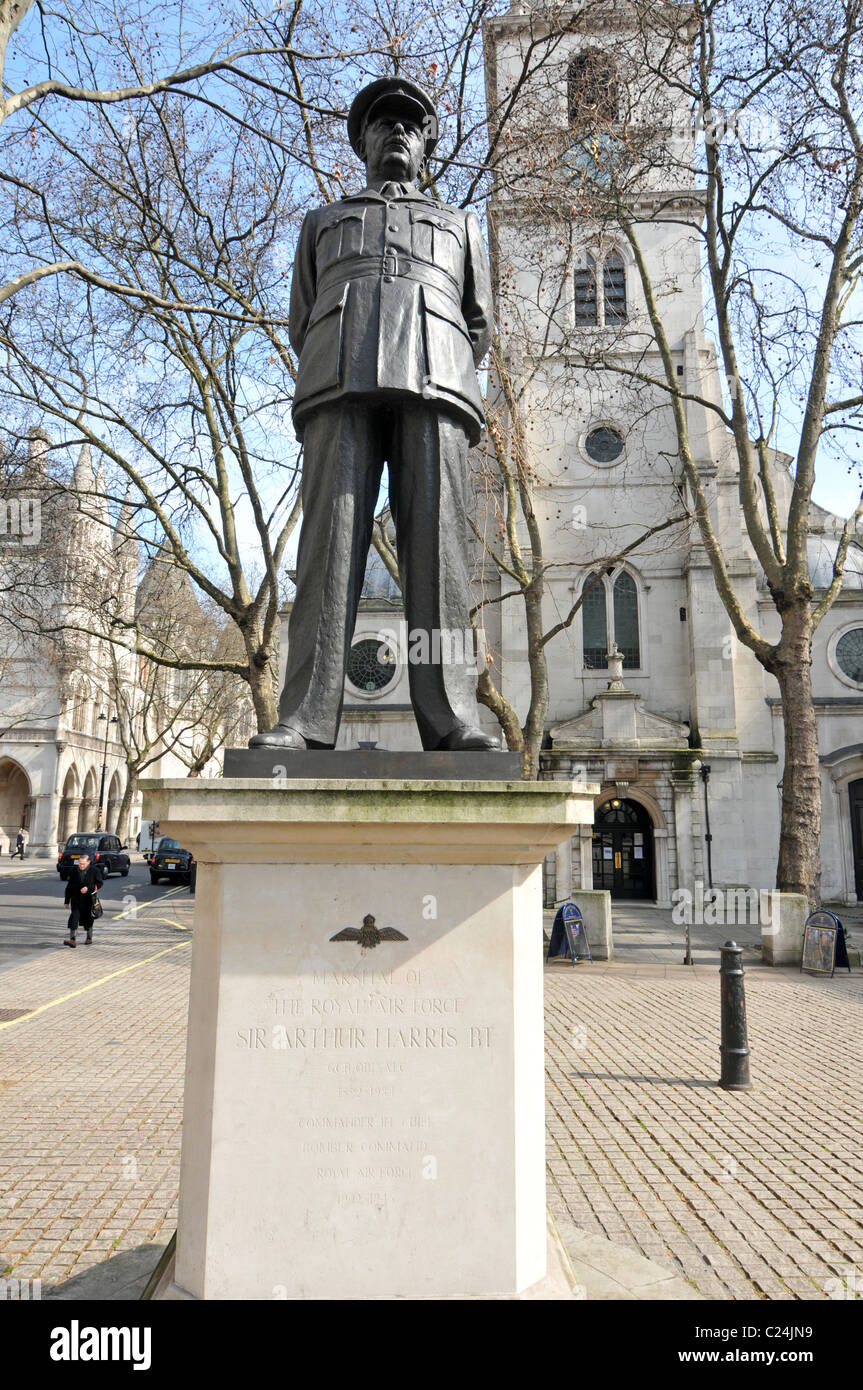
point(377, 1043)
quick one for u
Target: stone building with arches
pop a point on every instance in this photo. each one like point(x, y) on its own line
point(651, 695)
point(67, 691)
point(58, 749)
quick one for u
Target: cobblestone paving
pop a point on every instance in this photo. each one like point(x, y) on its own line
point(754, 1194)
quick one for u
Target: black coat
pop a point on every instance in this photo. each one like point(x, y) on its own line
point(91, 877)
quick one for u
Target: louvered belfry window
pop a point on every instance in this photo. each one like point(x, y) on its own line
point(614, 288)
point(592, 94)
point(586, 309)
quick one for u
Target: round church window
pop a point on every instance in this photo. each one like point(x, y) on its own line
point(849, 654)
point(371, 665)
point(604, 444)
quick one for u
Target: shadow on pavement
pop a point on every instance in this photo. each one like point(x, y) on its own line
point(621, 1076)
point(123, 1276)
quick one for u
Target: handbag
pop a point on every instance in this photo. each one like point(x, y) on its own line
point(96, 907)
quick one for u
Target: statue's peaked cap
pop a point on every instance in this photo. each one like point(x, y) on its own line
point(393, 92)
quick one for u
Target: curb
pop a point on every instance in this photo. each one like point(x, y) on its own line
point(610, 1272)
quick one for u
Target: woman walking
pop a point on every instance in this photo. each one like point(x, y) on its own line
point(84, 883)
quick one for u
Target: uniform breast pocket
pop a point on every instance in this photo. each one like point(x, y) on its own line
point(340, 237)
point(438, 240)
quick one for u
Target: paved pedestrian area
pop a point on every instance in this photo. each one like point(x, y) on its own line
point(748, 1195)
point(91, 1085)
point(754, 1194)
point(648, 935)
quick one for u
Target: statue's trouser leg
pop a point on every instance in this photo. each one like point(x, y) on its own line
point(341, 478)
point(428, 467)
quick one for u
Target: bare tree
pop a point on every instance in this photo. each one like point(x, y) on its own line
point(187, 407)
point(70, 63)
point(171, 356)
point(164, 710)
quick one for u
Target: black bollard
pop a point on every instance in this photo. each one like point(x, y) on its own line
point(734, 1046)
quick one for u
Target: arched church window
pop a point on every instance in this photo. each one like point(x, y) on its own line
point(594, 623)
point(592, 94)
point(609, 614)
point(626, 620)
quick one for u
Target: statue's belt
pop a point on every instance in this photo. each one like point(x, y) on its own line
point(389, 267)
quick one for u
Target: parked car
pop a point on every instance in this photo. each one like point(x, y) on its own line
point(104, 850)
point(169, 861)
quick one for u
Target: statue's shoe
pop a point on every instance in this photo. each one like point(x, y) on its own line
point(280, 737)
point(465, 739)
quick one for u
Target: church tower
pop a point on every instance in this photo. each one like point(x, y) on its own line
point(594, 195)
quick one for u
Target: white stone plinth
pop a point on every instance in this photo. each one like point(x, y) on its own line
point(783, 915)
point(595, 904)
point(365, 1123)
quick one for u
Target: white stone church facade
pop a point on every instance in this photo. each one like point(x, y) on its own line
point(59, 751)
point(690, 696)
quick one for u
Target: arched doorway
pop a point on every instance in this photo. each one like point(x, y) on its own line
point(14, 800)
point(89, 802)
point(112, 809)
point(855, 792)
point(623, 858)
point(70, 800)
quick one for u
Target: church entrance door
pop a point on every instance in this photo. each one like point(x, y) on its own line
point(623, 850)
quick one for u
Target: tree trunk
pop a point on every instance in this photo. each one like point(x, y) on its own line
point(263, 694)
point(534, 725)
point(488, 694)
point(799, 868)
point(126, 807)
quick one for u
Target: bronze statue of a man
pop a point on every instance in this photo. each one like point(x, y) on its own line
point(390, 314)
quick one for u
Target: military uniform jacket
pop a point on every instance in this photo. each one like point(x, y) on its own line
point(391, 297)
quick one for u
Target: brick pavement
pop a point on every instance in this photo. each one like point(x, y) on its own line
point(91, 1095)
point(756, 1194)
point(753, 1194)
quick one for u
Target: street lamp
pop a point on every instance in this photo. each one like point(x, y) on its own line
point(704, 769)
point(108, 723)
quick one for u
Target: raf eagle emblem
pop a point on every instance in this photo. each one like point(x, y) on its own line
point(368, 935)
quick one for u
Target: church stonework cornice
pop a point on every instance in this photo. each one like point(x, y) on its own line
point(584, 20)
